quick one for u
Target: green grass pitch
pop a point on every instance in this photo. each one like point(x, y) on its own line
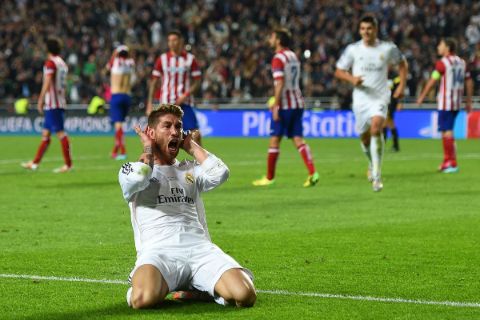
point(418, 239)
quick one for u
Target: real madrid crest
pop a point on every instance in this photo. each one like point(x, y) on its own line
point(189, 178)
point(382, 57)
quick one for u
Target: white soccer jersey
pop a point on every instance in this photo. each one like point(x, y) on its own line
point(371, 63)
point(168, 196)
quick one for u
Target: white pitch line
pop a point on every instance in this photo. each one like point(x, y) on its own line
point(274, 292)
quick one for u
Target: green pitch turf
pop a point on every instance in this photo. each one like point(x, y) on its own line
point(417, 239)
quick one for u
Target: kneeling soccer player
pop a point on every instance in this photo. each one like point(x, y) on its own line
point(174, 250)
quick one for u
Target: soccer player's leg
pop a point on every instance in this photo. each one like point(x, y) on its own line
point(221, 276)
point(58, 128)
point(190, 121)
point(276, 133)
point(42, 148)
point(149, 287)
point(376, 150)
point(446, 122)
point(117, 114)
point(362, 124)
point(294, 131)
point(236, 287)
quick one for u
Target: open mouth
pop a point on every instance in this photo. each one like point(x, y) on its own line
point(173, 145)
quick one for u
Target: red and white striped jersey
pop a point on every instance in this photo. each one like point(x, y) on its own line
point(120, 65)
point(286, 66)
point(454, 72)
point(175, 72)
point(55, 96)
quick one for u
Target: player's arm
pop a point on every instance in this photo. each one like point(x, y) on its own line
point(344, 75)
point(277, 94)
point(47, 83)
point(402, 74)
point(193, 89)
point(469, 89)
point(151, 91)
point(436, 76)
point(135, 176)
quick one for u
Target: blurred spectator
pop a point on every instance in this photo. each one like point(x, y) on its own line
point(228, 36)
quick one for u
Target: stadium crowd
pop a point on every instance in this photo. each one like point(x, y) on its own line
point(227, 37)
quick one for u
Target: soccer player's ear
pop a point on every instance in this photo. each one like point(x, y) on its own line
point(150, 132)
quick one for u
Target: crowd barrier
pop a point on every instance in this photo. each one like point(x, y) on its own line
point(253, 123)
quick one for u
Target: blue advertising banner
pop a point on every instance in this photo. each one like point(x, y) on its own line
point(244, 123)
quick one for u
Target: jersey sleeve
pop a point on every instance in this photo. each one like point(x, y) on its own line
point(346, 59)
point(157, 68)
point(49, 67)
point(195, 69)
point(395, 56)
point(278, 68)
point(210, 174)
point(134, 177)
point(440, 67)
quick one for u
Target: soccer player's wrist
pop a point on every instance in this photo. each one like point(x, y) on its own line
point(147, 149)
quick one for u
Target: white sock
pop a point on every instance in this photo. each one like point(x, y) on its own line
point(366, 150)
point(129, 295)
point(376, 152)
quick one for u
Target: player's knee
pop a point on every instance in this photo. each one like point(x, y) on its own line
point(245, 296)
point(144, 299)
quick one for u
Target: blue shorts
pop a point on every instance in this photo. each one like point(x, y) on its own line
point(446, 120)
point(119, 105)
point(54, 119)
point(290, 124)
point(189, 119)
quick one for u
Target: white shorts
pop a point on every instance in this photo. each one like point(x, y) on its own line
point(365, 111)
point(192, 265)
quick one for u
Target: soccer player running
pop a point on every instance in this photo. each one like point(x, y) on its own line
point(122, 72)
point(174, 250)
point(180, 78)
point(451, 71)
point(52, 103)
point(287, 109)
point(368, 60)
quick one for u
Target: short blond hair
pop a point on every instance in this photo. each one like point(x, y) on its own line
point(161, 110)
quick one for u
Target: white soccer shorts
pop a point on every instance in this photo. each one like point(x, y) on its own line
point(364, 113)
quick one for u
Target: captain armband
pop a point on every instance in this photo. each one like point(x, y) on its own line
point(436, 75)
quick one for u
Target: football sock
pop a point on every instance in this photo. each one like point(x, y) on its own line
point(66, 151)
point(449, 151)
point(395, 138)
point(376, 151)
point(129, 296)
point(119, 142)
point(304, 150)
point(273, 154)
point(366, 150)
point(41, 150)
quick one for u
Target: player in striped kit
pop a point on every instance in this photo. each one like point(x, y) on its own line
point(368, 60)
point(122, 74)
point(180, 78)
point(52, 104)
point(287, 109)
point(453, 76)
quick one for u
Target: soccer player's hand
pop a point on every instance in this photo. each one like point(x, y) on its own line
point(419, 101)
point(180, 100)
point(357, 81)
point(187, 138)
point(399, 92)
point(143, 134)
point(275, 113)
point(468, 107)
point(40, 108)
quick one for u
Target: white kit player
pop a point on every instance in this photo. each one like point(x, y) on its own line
point(174, 250)
point(365, 65)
